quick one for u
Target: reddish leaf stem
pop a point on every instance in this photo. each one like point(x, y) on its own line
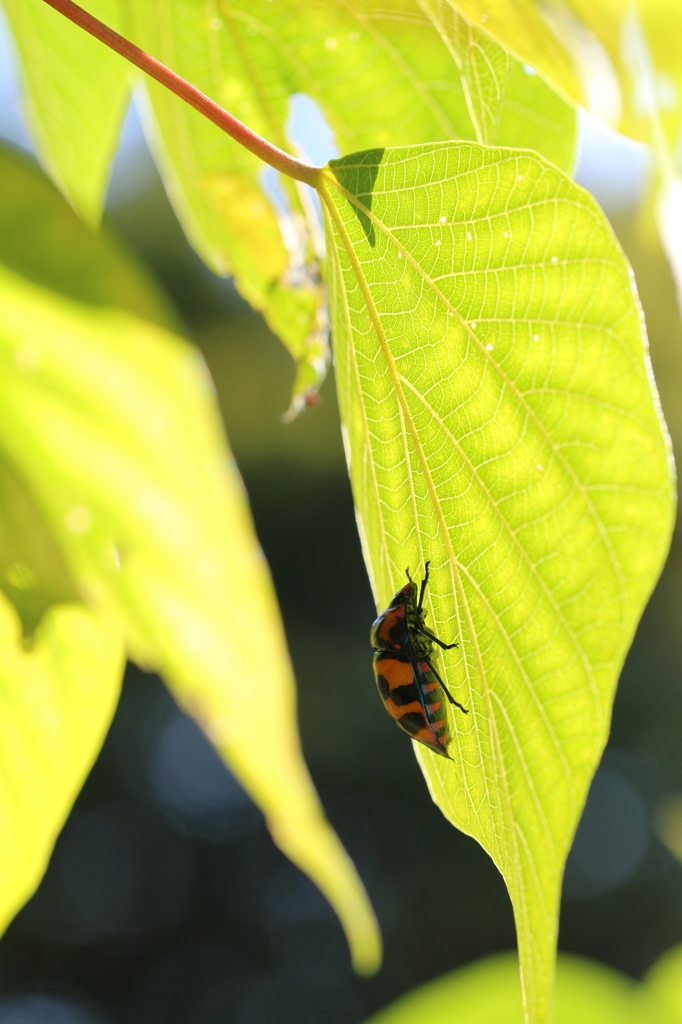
point(272, 155)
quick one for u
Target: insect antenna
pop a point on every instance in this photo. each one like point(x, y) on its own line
point(423, 586)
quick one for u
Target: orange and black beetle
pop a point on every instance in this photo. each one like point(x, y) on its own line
point(410, 687)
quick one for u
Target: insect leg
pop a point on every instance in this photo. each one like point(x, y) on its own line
point(445, 647)
point(423, 587)
point(447, 692)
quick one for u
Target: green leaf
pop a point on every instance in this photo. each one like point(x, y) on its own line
point(252, 59)
point(75, 97)
point(488, 992)
point(499, 417)
point(522, 27)
point(590, 50)
point(42, 241)
point(509, 104)
point(111, 424)
point(661, 23)
point(662, 987)
point(33, 574)
point(58, 699)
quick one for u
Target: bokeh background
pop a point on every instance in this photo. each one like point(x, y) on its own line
point(166, 901)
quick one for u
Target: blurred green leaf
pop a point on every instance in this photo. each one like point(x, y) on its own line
point(496, 394)
point(75, 97)
point(661, 22)
point(488, 992)
point(33, 573)
point(110, 426)
point(590, 50)
point(508, 103)
point(520, 27)
point(663, 988)
point(42, 241)
point(642, 40)
point(58, 700)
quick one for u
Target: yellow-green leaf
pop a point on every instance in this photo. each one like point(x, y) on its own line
point(42, 241)
point(33, 573)
point(118, 487)
point(447, 81)
point(488, 992)
point(500, 422)
point(618, 57)
point(75, 97)
point(520, 27)
point(58, 698)
point(663, 988)
point(112, 422)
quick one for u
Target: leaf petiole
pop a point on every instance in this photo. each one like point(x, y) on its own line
point(260, 147)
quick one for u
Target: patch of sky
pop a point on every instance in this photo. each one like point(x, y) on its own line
point(615, 169)
point(313, 140)
point(133, 166)
point(11, 125)
point(307, 127)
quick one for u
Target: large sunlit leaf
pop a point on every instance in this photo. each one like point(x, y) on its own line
point(75, 97)
point(62, 664)
point(500, 422)
point(448, 79)
point(58, 698)
point(619, 57)
point(488, 992)
point(252, 57)
point(520, 27)
point(118, 487)
point(112, 422)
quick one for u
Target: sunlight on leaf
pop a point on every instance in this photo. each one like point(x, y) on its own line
point(488, 992)
point(58, 699)
point(589, 47)
point(448, 79)
point(33, 574)
point(252, 58)
point(113, 424)
point(520, 27)
point(498, 408)
point(509, 103)
point(117, 486)
point(76, 94)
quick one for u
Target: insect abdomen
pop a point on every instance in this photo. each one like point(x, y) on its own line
point(415, 702)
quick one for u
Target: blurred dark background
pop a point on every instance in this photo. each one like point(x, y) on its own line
point(166, 901)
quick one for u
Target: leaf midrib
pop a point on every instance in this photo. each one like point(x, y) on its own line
point(329, 179)
point(514, 862)
point(536, 575)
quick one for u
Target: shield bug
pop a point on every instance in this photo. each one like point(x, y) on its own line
point(410, 687)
